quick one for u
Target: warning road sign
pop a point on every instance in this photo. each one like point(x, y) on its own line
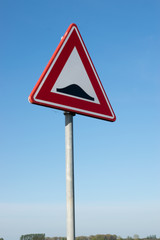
point(70, 81)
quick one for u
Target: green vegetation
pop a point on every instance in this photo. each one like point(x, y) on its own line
point(33, 237)
point(106, 237)
point(92, 237)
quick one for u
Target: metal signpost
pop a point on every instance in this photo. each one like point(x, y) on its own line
point(70, 176)
point(70, 83)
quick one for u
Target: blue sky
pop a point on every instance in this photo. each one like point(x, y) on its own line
point(117, 180)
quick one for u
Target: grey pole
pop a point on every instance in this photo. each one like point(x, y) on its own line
point(69, 175)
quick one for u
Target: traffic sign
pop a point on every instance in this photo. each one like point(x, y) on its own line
point(70, 81)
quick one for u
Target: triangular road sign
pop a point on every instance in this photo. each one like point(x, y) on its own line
point(70, 82)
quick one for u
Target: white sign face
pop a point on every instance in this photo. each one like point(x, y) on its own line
point(74, 73)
